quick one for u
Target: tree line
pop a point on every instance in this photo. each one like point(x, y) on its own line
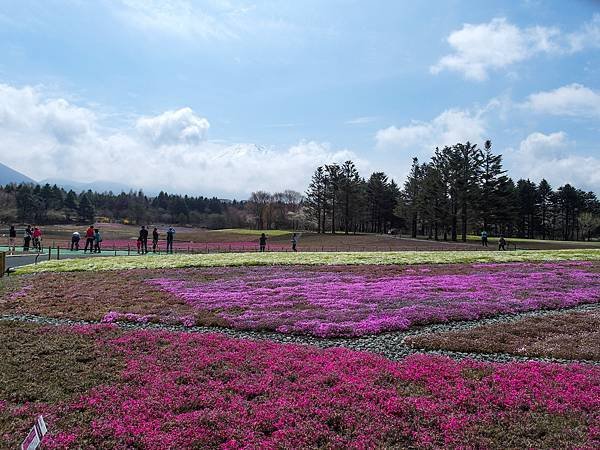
point(465, 189)
point(462, 189)
point(46, 204)
point(339, 199)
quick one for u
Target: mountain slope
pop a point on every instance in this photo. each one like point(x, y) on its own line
point(8, 175)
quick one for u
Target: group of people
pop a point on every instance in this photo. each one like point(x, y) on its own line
point(93, 239)
point(32, 238)
point(501, 242)
point(142, 240)
point(262, 242)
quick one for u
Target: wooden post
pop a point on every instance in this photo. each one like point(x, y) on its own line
point(58, 253)
point(2, 263)
point(49, 253)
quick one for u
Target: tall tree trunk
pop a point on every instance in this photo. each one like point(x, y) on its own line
point(464, 215)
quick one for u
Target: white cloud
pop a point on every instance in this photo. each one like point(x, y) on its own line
point(550, 156)
point(481, 48)
point(477, 49)
point(572, 100)
point(173, 127)
point(587, 37)
point(179, 18)
point(540, 145)
point(210, 20)
point(52, 138)
point(361, 120)
point(450, 127)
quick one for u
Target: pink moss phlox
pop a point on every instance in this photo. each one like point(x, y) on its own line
point(330, 303)
point(194, 391)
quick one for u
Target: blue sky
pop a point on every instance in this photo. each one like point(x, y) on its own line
point(227, 97)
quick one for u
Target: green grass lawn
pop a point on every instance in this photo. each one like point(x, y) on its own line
point(306, 258)
point(512, 240)
point(252, 232)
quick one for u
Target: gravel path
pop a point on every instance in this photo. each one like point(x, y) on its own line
point(391, 345)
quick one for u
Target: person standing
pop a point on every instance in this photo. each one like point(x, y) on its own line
point(154, 239)
point(37, 239)
point(75, 238)
point(89, 239)
point(294, 242)
point(97, 240)
point(27, 238)
point(484, 238)
point(170, 237)
point(501, 243)
point(144, 240)
point(12, 239)
point(262, 242)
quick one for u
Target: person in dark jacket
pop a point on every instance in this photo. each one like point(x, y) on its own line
point(143, 240)
point(12, 239)
point(97, 240)
point(502, 243)
point(170, 238)
point(27, 238)
point(154, 239)
point(262, 242)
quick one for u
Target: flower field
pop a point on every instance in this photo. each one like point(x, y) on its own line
point(367, 302)
point(181, 390)
point(307, 258)
point(314, 350)
point(328, 301)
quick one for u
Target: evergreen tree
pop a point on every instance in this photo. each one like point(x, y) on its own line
point(349, 181)
point(86, 209)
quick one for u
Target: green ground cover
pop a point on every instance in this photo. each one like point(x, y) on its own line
point(513, 240)
point(251, 232)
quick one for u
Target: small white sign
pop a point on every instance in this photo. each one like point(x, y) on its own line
point(34, 438)
point(41, 426)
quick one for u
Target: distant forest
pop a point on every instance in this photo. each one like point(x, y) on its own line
point(461, 190)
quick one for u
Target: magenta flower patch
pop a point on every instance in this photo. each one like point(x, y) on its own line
point(208, 391)
point(331, 303)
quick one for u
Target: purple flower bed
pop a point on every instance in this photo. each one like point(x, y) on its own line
point(331, 303)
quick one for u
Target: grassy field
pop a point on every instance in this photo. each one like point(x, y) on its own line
point(535, 244)
point(244, 232)
point(334, 258)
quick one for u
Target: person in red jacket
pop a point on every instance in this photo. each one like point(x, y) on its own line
point(37, 239)
point(89, 239)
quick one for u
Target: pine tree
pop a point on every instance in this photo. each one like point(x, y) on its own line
point(86, 209)
point(315, 198)
point(349, 186)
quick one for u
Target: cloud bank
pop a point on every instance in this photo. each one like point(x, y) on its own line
point(478, 49)
point(53, 138)
point(549, 156)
